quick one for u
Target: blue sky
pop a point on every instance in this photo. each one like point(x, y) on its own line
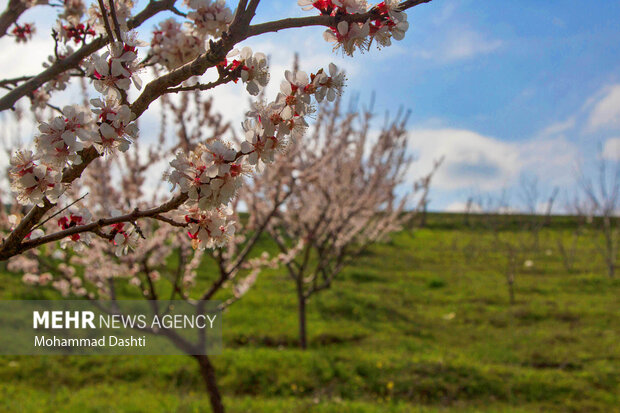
point(502, 89)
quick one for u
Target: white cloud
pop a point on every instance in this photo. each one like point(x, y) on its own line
point(464, 44)
point(559, 128)
point(24, 59)
point(552, 160)
point(447, 11)
point(21, 59)
point(606, 111)
point(611, 149)
point(457, 44)
point(455, 38)
point(474, 161)
point(470, 158)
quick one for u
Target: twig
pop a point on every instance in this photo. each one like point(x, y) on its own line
point(106, 22)
point(14, 81)
point(199, 86)
point(169, 221)
point(117, 26)
point(329, 21)
point(104, 222)
point(177, 12)
point(74, 60)
point(56, 108)
point(61, 211)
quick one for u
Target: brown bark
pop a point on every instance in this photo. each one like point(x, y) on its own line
point(301, 307)
point(208, 374)
point(13, 10)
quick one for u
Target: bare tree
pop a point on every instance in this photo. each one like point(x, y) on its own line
point(496, 216)
point(346, 189)
point(568, 249)
point(602, 191)
point(469, 209)
point(538, 208)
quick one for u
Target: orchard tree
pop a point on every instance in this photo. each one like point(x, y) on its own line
point(136, 257)
point(601, 191)
point(537, 208)
point(498, 216)
point(578, 212)
point(61, 183)
point(336, 192)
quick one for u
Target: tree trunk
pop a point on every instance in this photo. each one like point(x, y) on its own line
point(510, 277)
point(610, 246)
point(301, 302)
point(423, 216)
point(208, 374)
point(511, 289)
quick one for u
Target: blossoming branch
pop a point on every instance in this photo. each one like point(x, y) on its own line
point(208, 176)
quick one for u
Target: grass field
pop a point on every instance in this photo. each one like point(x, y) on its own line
point(422, 323)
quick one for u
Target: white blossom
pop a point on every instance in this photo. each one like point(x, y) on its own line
point(123, 13)
point(329, 86)
point(209, 18)
point(61, 138)
point(294, 96)
point(33, 182)
point(116, 126)
point(254, 69)
point(261, 141)
point(349, 36)
point(125, 241)
point(172, 47)
point(210, 229)
point(116, 69)
point(207, 175)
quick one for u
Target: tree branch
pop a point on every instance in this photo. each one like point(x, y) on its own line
point(73, 61)
point(250, 244)
point(92, 227)
point(11, 14)
point(329, 21)
point(14, 81)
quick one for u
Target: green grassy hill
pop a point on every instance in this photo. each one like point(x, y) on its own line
point(422, 323)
